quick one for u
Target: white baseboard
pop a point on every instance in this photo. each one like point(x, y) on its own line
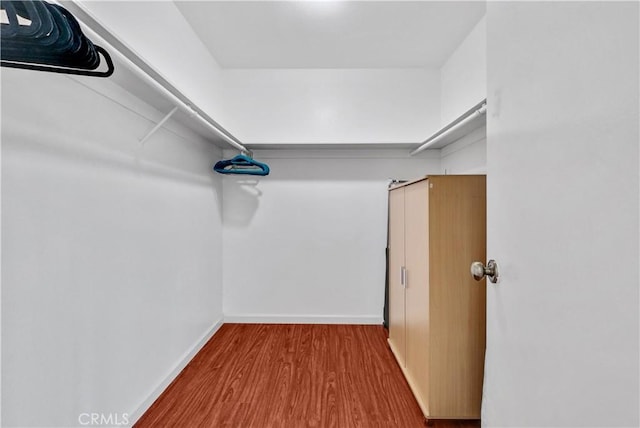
point(186, 358)
point(302, 319)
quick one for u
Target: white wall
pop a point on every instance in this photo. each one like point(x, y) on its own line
point(468, 155)
point(336, 106)
point(562, 214)
point(307, 243)
point(463, 80)
point(463, 77)
point(111, 252)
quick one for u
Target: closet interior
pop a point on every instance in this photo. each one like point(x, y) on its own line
point(278, 213)
point(163, 191)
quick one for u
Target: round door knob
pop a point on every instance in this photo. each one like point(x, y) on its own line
point(479, 271)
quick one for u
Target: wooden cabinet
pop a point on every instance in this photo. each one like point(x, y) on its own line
point(437, 228)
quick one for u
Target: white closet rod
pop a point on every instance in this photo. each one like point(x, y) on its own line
point(477, 110)
point(148, 73)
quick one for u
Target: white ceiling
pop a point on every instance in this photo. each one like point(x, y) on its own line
point(331, 34)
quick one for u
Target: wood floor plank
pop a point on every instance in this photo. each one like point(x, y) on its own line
point(291, 376)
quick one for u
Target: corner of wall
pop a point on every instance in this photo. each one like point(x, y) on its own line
point(175, 371)
point(463, 83)
point(463, 77)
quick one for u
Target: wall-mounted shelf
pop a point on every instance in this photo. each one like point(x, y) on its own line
point(471, 120)
point(151, 77)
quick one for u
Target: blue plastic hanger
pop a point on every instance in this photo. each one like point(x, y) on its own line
point(241, 164)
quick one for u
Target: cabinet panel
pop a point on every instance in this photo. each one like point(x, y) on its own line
point(396, 262)
point(417, 288)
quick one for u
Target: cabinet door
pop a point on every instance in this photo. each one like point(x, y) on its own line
point(417, 288)
point(457, 302)
point(396, 263)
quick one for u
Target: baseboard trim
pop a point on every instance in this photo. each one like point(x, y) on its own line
point(186, 358)
point(302, 319)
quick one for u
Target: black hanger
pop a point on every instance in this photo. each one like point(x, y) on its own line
point(53, 41)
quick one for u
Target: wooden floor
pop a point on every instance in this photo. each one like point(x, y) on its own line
point(257, 375)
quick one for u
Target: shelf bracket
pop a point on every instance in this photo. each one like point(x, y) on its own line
point(159, 124)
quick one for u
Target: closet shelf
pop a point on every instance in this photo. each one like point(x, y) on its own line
point(469, 121)
point(152, 77)
point(155, 86)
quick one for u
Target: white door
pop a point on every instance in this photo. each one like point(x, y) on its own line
point(562, 206)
